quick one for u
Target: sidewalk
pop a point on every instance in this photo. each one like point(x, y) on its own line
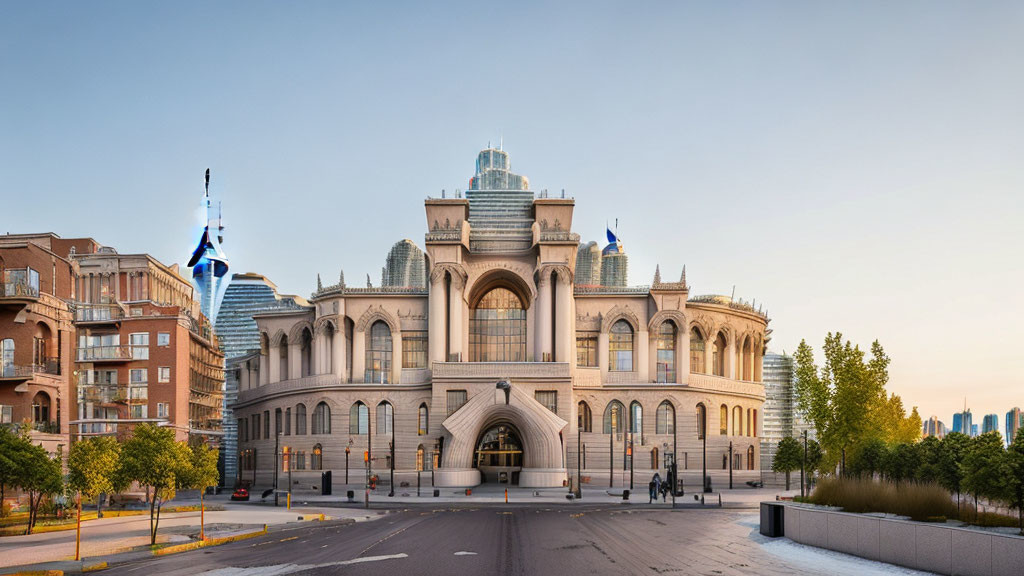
point(107, 536)
point(495, 494)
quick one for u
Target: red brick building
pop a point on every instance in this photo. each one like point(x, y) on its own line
point(94, 341)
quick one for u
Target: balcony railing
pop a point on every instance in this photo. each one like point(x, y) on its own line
point(98, 312)
point(20, 371)
point(105, 353)
point(20, 290)
point(102, 393)
point(46, 427)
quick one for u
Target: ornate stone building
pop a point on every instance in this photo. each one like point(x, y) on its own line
point(503, 368)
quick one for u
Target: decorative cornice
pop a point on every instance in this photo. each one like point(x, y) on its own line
point(374, 313)
point(619, 313)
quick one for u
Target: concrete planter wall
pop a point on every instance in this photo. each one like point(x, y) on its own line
point(921, 546)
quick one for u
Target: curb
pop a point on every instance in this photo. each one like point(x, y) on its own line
point(175, 549)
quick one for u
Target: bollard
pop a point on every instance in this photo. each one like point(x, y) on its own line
point(506, 495)
point(289, 500)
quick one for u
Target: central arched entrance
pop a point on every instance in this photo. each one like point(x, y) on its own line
point(499, 454)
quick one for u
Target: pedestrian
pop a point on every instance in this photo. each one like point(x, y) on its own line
point(664, 491)
point(652, 489)
point(656, 483)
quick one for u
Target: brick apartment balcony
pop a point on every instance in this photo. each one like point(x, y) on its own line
point(98, 313)
point(21, 373)
point(18, 294)
point(120, 353)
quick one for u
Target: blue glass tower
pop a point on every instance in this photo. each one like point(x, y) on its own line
point(208, 262)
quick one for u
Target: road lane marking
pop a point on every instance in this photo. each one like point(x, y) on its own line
point(463, 553)
point(287, 539)
point(282, 569)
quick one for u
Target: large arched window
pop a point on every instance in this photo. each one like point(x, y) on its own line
point(747, 360)
point(613, 415)
point(385, 417)
point(322, 419)
point(665, 418)
point(750, 458)
point(702, 420)
point(41, 407)
point(283, 355)
point(359, 419)
point(737, 421)
point(620, 347)
point(718, 355)
point(378, 354)
point(420, 460)
point(424, 421)
point(585, 418)
point(300, 419)
point(636, 418)
point(696, 352)
point(497, 328)
point(723, 417)
point(667, 352)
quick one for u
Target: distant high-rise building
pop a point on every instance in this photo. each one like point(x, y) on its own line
point(934, 427)
point(238, 335)
point(405, 266)
point(779, 405)
point(588, 264)
point(208, 262)
point(990, 423)
point(974, 430)
point(1014, 422)
point(962, 422)
point(614, 262)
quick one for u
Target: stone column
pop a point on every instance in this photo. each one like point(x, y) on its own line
point(338, 361)
point(455, 322)
point(642, 347)
point(275, 364)
point(396, 356)
point(436, 319)
point(358, 356)
point(758, 366)
point(543, 315)
point(683, 356)
point(294, 360)
point(602, 355)
point(730, 359)
point(264, 370)
point(563, 325)
point(709, 355)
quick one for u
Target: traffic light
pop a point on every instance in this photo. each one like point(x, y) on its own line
point(366, 455)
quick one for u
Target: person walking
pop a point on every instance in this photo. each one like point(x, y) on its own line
point(655, 487)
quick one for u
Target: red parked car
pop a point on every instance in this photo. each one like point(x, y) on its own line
point(240, 495)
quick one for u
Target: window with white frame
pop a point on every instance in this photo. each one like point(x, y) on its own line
point(139, 342)
point(6, 414)
point(162, 409)
point(140, 411)
point(138, 376)
point(163, 338)
point(164, 374)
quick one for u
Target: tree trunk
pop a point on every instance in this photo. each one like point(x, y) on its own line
point(78, 529)
point(152, 519)
point(787, 480)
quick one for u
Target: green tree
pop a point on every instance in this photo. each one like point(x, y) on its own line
point(930, 467)
point(93, 470)
point(815, 458)
point(199, 473)
point(788, 457)
point(870, 458)
point(1015, 460)
point(951, 475)
point(154, 459)
point(902, 462)
point(40, 476)
point(840, 397)
point(986, 468)
point(12, 446)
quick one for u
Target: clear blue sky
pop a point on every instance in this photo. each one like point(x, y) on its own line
point(854, 167)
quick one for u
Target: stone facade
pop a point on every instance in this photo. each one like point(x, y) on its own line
point(502, 368)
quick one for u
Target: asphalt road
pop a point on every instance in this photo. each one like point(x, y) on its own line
point(481, 541)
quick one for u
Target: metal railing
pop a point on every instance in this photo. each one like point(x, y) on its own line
point(49, 366)
point(94, 353)
point(98, 312)
point(20, 290)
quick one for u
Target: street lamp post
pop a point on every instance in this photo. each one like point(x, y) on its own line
point(730, 465)
point(277, 447)
point(579, 451)
point(611, 447)
point(348, 450)
point(392, 479)
point(704, 456)
point(803, 465)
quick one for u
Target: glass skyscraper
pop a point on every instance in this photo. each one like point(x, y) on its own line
point(238, 335)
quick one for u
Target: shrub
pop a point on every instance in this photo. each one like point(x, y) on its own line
point(919, 501)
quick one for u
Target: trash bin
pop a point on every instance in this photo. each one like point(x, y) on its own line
point(707, 484)
point(625, 494)
point(325, 483)
point(351, 495)
point(436, 492)
point(772, 519)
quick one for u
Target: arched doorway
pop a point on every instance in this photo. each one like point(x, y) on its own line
point(499, 454)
